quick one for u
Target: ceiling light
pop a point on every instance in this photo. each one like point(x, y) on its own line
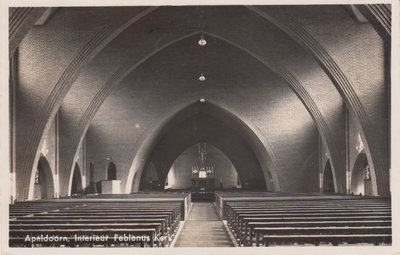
point(202, 77)
point(202, 41)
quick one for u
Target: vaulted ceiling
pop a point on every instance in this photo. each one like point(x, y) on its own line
point(281, 77)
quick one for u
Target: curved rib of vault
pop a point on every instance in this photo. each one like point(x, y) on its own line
point(82, 133)
point(345, 86)
point(60, 88)
point(291, 80)
point(204, 122)
point(106, 89)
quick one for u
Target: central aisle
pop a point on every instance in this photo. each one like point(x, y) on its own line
point(203, 228)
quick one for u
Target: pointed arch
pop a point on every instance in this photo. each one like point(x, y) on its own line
point(150, 179)
point(111, 171)
point(257, 144)
point(361, 176)
point(345, 86)
point(42, 123)
point(328, 185)
point(291, 80)
point(43, 180)
point(224, 170)
point(76, 185)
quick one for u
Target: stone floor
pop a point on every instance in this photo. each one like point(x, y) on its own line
point(203, 228)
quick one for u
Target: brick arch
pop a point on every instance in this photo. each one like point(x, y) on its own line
point(46, 115)
point(285, 74)
point(256, 142)
point(179, 139)
point(47, 180)
point(76, 181)
point(357, 181)
point(293, 82)
point(117, 76)
point(346, 88)
point(329, 179)
point(21, 21)
point(320, 125)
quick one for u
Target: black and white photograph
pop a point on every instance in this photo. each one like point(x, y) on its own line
point(237, 127)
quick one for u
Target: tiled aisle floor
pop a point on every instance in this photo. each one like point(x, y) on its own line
point(203, 228)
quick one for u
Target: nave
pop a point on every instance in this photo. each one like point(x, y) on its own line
point(194, 126)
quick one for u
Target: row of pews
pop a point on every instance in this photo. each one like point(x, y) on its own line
point(265, 219)
point(145, 220)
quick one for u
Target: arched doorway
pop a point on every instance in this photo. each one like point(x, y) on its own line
point(360, 177)
point(328, 185)
point(111, 171)
point(44, 183)
point(76, 188)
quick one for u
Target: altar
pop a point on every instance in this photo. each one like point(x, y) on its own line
point(202, 184)
point(202, 179)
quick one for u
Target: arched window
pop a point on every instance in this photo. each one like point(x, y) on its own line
point(111, 171)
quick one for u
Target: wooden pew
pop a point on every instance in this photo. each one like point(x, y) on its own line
point(260, 226)
point(81, 216)
point(243, 219)
point(67, 236)
point(168, 224)
point(336, 216)
point(331, 238)
point(319, 230)
point(41, 223)
point(29, 208)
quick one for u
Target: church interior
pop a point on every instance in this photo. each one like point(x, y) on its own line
point(188, 126)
